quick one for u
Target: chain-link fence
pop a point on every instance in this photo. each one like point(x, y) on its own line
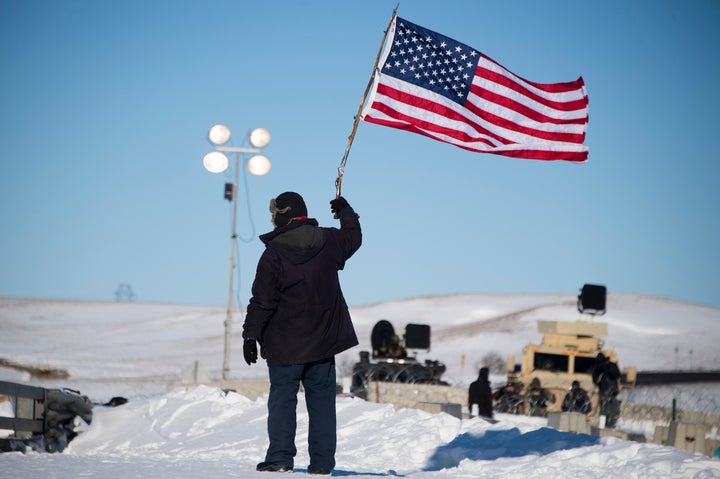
point(645, 407)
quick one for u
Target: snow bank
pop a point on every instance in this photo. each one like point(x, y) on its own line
point(205, 432)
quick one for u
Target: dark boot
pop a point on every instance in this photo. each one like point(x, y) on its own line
point(312, 470)
point(273, 467)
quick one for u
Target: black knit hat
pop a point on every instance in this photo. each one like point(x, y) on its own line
point(287, 207)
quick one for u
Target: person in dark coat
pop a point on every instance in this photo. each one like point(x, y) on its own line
point(480, 393)
point(299, 317)
point(576, 400)
point(606, 376)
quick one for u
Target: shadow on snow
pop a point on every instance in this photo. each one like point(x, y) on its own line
point(508, 443)
point(341, 473)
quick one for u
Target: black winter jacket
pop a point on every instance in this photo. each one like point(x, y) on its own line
point(297, 311)
point(480, 393)
point(606, 375)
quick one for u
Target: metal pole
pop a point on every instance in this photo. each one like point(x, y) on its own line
point(341, 168)
point(228, 317)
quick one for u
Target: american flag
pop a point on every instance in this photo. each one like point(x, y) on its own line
point(433, 85)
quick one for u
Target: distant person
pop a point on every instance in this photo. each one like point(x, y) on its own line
point(576, 400)
point(480, 394)
point(509, 399)
point(606, 376)
point(391, 348)
point(538, 398)
point(299, 316)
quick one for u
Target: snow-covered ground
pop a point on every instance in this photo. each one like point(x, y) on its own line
point(135, 350)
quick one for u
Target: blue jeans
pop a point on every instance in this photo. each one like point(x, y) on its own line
point(318, 380)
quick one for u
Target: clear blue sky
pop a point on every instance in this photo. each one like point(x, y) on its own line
point(105, 107)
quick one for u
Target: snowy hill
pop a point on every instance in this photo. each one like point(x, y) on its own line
point(141, 347)
point(135, 350)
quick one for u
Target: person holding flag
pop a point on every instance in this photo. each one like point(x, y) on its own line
point(299, 317)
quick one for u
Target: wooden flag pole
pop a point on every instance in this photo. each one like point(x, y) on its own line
point(341, 168)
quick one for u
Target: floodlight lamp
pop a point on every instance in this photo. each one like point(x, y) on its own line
point(259, 165)
point(259, 137)
point(215, 162)
point(219, 134)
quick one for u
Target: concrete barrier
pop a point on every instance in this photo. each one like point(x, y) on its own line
point(569, 421)
point(405, 395)
point(687, 435)
point(453, 409)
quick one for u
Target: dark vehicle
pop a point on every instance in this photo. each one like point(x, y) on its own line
point(392, 361)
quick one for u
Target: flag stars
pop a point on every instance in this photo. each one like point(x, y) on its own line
point(434, 62)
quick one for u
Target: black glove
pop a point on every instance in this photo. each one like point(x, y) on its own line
point(337, 205)
point(250, 351)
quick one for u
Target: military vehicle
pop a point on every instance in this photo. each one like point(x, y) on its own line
point(566, 353)
point(392, 361)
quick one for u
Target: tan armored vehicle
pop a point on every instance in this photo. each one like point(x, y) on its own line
point(567, 353)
